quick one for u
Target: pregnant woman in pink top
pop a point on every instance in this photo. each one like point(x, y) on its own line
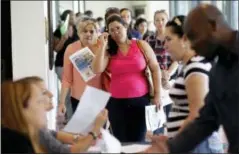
point(129, 87)
point(87, 30)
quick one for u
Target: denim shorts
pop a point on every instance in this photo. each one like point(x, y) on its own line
point(213, 144)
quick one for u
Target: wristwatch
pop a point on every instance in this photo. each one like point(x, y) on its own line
point(94, 135)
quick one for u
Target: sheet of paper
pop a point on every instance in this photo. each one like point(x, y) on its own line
point(92, 102)
point(154, 119)
point(111, 144)
point(134, 148)
point(64, 27)
point(107, 144)
point(82, 60)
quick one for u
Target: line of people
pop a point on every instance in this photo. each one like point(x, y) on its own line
point(190, 57)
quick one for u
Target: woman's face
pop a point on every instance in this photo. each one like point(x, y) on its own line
point(174, 45)
point(142, 28)
point(35, 113)
point(118, 32)
point(89, 35)
point(160, 21)
point(126, 16)
point(47, 96)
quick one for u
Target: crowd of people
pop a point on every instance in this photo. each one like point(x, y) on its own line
point(193, 62)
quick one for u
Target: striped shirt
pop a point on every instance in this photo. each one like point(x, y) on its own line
point(180, 108)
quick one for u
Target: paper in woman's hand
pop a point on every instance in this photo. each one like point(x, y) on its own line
point(87, 110)
point(82, 60)
point(154, 119)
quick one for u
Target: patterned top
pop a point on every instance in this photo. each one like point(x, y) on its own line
point(180, 108)
point(163, 57)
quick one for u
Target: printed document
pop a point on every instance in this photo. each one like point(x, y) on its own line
point(154, 119)
point(92, 102)
point(81, 60)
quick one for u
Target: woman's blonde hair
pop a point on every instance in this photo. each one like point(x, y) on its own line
point(81, 25)
point(14, 98)
point(161, 11)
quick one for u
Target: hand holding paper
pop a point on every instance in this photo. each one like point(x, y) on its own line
point(86, 113)
point(154, 119)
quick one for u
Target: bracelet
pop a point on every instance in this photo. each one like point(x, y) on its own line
point(93, 135)
point(75, 138)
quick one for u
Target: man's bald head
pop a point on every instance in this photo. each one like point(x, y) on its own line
point(201, 28)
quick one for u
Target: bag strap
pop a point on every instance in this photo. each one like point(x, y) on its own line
point(142, 50)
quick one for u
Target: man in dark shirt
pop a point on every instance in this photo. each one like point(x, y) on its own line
point(212, 37)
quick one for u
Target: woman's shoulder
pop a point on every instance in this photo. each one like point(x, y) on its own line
point(73, 47)
point(197, 64)
point(15, 142)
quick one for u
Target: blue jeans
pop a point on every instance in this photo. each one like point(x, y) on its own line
point(212, 144)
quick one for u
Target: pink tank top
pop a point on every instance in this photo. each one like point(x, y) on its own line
point(127, 73)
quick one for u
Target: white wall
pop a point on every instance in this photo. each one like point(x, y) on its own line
point(99, 7)
point(29, 47)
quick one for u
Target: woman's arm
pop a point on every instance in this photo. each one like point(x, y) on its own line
point(154, 67)
point(67, 138)
point(59, 42)
point(196, 88)
point(83, 144)
point(67, 78)
point(101, 59)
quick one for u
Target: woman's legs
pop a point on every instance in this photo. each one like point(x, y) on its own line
point(127, 118)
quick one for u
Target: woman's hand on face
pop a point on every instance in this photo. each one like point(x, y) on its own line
point(103, 39)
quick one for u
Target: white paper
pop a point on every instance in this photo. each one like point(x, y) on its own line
point(134, 148)
point(81, 60)
point(92, 102)
point(111, 144)
point(154, 120)
point(108, 144)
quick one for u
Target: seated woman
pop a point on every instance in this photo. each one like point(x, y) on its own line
point(23, 114)
point(56, 142)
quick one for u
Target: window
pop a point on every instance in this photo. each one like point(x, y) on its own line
point(228, 8)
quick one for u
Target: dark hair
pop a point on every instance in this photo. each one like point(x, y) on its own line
point(177, 25)
point(64, 14)
point(138, 22)
point(88, 13)
point(131, 14)
point(99, 19)
point(112, 45)
point(78, 14)
point(126, 9)
point(110, 11)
